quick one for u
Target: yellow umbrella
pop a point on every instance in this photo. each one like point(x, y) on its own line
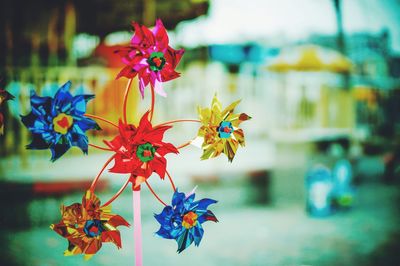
point(311, 58)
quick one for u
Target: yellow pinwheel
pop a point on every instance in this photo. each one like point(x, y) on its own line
point(220, 130)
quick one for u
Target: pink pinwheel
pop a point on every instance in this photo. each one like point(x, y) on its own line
point(150, 57)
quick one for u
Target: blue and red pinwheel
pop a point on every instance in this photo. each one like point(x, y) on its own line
point(183, 220)
point(59, 123)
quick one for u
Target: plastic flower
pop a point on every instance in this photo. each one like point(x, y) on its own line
point(220, 130)
point(59, 123)
point(4, 96)
point(140, 150)
point(183, 220)
point(86, 226)
point(150, 57)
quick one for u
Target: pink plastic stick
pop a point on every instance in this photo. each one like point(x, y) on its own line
point(137, 227)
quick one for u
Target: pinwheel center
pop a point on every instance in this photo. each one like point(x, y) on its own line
point(145, 152)
point(156, 61)
point(93, 228)
point(62, 123)
point(225, 129)
point(189, 220)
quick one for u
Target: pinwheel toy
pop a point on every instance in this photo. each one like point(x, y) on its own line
point(136, 151)
point(59, 123)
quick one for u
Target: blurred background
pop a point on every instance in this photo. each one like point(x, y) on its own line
point(318, 180)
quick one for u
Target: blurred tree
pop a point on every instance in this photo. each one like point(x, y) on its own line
point(44, 28)
point(101, 17)
point(340, 38)
point(339, 23)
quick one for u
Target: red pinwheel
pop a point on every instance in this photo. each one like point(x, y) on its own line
point(140, 150)
point(150, 57)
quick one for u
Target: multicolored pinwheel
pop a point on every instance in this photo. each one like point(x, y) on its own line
point(137, 150)
point(183, 220)
point(140, 151)
point(86, 226)
point(59, 123)
point(220, 130)
point(150, 58)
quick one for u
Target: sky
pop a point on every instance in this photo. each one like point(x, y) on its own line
point(236, 21)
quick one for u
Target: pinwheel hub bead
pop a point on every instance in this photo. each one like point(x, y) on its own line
point(225, 129)
point(62, 123)
point(156, 61)
point(93, 228)
point(145, 152)
point(189, 220)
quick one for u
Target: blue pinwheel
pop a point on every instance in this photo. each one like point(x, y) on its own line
point(59, 123)
point(182, 221)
